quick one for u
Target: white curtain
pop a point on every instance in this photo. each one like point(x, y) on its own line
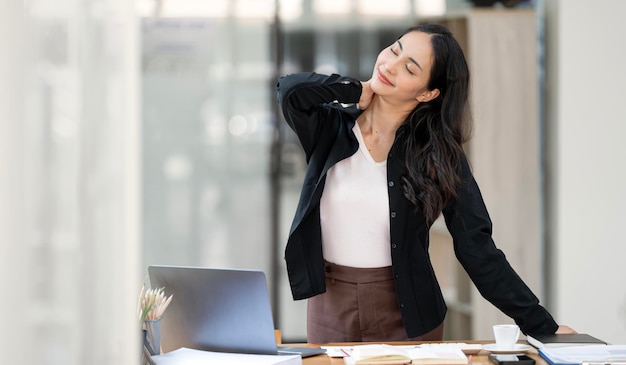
point(69, 182)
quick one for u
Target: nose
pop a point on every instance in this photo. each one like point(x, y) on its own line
point(391, 65)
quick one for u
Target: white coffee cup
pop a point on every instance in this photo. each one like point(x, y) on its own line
point(506, 336)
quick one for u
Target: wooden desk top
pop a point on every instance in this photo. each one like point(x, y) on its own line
point(478, 359)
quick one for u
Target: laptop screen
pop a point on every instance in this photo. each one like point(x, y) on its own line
point(222, 310)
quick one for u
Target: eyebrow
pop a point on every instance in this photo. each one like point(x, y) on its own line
point(410, 58)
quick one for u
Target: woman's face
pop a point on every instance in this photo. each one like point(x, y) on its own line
point(402, 70)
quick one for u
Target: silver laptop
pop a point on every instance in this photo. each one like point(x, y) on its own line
point(226, 310)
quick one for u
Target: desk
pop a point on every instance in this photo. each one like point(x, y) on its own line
point(479, 359)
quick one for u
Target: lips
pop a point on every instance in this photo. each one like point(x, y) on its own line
point(383, 78)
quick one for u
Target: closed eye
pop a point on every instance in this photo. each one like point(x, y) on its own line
point(397, 53)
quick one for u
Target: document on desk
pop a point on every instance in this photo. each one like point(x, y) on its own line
point(591, 354)
point(188, 356)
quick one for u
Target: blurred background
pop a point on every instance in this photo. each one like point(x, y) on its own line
point(147, 132)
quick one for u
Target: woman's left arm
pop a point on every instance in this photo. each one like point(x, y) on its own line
point(471, 229)
point(565, 330)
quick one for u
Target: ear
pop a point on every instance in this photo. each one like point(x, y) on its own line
point(428, 95)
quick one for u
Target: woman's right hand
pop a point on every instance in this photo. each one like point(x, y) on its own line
point(366, 95)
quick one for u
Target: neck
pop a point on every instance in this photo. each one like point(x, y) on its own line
point(382, 117)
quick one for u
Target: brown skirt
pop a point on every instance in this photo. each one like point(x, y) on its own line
point(359, 305)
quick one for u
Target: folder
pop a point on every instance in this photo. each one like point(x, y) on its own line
point(576, 355)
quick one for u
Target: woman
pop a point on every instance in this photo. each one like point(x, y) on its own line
point(378, 176)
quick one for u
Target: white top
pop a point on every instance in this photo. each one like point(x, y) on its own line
point(354, 211)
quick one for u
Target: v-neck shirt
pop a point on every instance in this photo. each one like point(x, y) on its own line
point(354, 211)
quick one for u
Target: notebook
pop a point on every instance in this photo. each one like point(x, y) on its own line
point(563, 340)
point(223, 310)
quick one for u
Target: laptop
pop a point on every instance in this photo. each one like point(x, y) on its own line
point(223, 310)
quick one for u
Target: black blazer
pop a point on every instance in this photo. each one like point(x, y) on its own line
point(314, 107)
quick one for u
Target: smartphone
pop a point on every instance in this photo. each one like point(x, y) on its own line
point(515, 359)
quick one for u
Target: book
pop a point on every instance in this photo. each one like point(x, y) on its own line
point(467, 348)
point(377, 354)
point(189, 356)
point(576, 355)
point(563, 340)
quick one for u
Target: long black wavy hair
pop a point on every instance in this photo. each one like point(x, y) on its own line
point(435, 131)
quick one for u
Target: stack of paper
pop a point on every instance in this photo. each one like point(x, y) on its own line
point(185, 356)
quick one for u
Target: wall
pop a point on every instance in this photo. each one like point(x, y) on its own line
point(585, 128)
point(504, 149)
point(11, 255)
point(69, 183)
